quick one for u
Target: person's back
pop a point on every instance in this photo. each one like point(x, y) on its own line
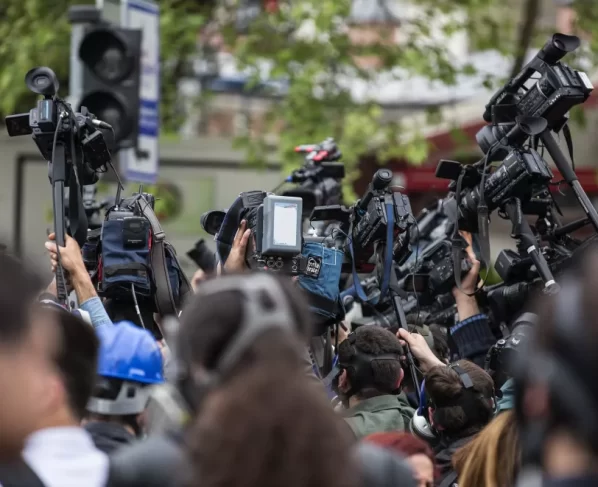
point(369, 380)
point(379, 414)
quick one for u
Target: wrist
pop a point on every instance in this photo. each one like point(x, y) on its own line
point(430, 363)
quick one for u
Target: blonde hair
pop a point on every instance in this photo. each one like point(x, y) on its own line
point(493, 457)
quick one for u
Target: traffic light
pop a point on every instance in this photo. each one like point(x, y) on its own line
point(111, 58)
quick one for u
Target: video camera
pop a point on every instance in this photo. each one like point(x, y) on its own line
point(558, 89)
point(319, 180)
point(501, 356)
point(73, 145)
point(382, 216)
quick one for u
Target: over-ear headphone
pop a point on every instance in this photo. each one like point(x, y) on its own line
point(564, 370)
point(420, 423)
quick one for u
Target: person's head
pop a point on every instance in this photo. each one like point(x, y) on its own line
point(369, 363)
point(240, 346)
point(493, 457)
point(129, 362)
point(460, 398)
point(556, 378)
point(416, 451)
point(73, 348)
point(24, 360)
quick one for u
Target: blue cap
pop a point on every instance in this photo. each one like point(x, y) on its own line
point(129, 353)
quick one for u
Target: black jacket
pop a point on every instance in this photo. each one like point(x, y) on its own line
point(444, 455)
point(108, 437)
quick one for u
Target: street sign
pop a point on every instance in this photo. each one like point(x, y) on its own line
point(141, 164)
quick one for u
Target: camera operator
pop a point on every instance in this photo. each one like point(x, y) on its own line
point(254, 354)
point(460, 404)
point(472, 335)
point(24, 367)
point(60, 453)
point(556, 383)
point(72, 262)
point(369, 382)
point(130, 361)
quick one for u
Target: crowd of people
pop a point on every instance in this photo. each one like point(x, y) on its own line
point(228, 395)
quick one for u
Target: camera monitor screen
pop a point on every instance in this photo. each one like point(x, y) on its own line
point(285, 224)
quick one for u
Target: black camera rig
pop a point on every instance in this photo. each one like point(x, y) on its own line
point(319, 180)
point(75, 148)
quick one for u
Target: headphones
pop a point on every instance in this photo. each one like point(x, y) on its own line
point(564, 371)
point(172, 405)
point(420, 423)
point(358, 367)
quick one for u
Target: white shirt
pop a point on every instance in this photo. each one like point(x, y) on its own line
point(66, 457)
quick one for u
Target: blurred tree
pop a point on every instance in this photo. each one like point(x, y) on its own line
point(306, 43)
point(37, 33)
point(310, 45)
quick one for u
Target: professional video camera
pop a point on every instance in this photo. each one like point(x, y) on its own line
point(500, 358)
point(319, 180)
point(74, 147)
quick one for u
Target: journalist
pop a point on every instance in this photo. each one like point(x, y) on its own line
point(130, 362)
point(72, 262)
point(557, 386)
point(460, 402)
point(59, 452)
point(472, 335)
point(369, 382)
point(24, 367)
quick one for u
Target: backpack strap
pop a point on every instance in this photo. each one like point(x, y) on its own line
point(165, 303)
point(19, 474)
point(450, 480)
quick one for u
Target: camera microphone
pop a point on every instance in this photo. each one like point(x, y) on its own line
point(101, 124)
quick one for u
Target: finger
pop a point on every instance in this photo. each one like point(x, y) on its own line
point(50, 246)
point(245, 239)
point(240, 233)
point(52, 236)
point(405, 335)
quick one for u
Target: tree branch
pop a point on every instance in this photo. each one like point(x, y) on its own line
point(526, 34)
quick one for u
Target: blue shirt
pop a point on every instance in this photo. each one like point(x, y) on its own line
point(97, 312)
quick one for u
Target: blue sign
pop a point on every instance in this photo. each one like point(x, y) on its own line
point(141, 164)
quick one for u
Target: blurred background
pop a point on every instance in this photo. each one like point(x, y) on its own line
point(226, 89)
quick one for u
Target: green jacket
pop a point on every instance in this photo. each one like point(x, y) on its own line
point(380, 414)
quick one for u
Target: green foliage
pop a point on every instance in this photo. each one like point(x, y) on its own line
point(37, 33)
point(319, 103)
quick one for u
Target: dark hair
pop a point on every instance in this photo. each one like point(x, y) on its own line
point(374, 340)
point(18, 289)
point(457, 413)
point(441, 347)
point(76, 360)
point(257, 426)
point(405, 444)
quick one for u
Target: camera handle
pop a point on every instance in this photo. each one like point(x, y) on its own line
point(58, 175)
point(523, 232)
point(402, 321)
point(569, 176)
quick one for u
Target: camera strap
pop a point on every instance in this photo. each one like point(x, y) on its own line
point(390, 223)
point(165, 302)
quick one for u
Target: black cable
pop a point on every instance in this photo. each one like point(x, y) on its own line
point(137, 310)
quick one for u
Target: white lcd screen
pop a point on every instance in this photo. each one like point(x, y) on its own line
point(285, 224)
